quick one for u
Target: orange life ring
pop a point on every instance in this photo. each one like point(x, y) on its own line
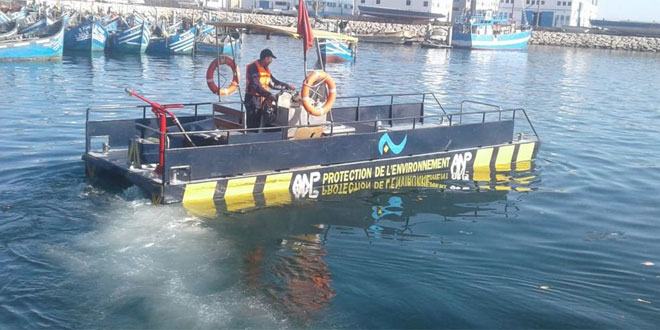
point(308, 102)
point(210, 72)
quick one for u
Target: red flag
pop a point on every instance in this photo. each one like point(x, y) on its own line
point(304, 27)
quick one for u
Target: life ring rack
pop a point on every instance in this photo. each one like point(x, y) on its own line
point(311, 82)
point(210, 72)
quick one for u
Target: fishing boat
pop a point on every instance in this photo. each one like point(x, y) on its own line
point(180, 43)
point(338, 51)
point(37, 27)
point(4, 18)
point(88, 36)
point(110, 23)
point(8, 30)
point(207, 44)
point(485, 32)
point(310, 140)
point(47, 45)
point(131, 39)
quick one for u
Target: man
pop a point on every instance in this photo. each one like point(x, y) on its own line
point(259, 80)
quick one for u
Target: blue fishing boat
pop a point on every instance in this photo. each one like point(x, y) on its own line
point(4, 18)
point(337, 51)
point(181, 43)
point(488, 33)
point(207, 44)
point(204, 29)
point(47, 46)
point(130, 40)
point(110, 23)
point(8, 30)
point(86, 36)
point(37, 27)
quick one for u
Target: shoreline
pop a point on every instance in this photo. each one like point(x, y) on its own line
point(366, 29)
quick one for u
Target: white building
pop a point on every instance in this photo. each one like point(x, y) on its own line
point(217, 4)
point(551, 13)
point(321, 8)
point(413, 10)
point(461, 7)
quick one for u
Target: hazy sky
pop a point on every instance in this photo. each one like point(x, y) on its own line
point(634, 10)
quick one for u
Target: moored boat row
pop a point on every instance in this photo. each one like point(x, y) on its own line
point(24, 39)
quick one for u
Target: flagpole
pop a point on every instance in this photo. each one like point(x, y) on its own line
point(304, 61)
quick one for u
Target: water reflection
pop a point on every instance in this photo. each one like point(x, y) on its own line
point(286, 248)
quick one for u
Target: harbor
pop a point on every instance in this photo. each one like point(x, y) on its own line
point(443, 188)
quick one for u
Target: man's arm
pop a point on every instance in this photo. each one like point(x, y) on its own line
point(277, 84)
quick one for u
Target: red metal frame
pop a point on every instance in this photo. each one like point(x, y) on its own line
point(161, 113)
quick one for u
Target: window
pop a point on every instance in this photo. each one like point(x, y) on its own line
point(426, 3)
point(280, 3)
point(407, 2)
point(563, 3)
point(528, 2)
point(361, 1)
point(570, 3)
point(558, 3)
point(378, 2)
point(543, 2)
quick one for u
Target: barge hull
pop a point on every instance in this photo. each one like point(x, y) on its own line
point(278, 187)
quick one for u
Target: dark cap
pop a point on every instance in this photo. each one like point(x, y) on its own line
point(265, 53)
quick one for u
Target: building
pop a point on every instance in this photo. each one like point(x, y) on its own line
point(551, 13)
point(410, 10)
point(315, 8)
point(331, 8)
point(462, 7)
point(218, 4)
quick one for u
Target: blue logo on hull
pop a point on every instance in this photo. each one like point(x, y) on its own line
point(386, 144)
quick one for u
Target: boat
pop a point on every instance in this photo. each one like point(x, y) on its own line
point(217, 158)
point(337, 51)
point(180, 43)
point(36, 27)
point(131, 39)
point(4, 19)
point(309, 141)
point(88, 36)
point(204, 29)
point(396, 38)
point(110, 23)
point(47, 45)
point(485, 32)
point(8, 30)
point(207, 44)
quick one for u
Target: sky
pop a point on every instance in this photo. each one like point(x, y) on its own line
point(634, 10)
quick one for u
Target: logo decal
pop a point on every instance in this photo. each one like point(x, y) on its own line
point(386, 144)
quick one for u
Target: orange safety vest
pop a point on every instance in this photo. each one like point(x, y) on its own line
point(264, 78)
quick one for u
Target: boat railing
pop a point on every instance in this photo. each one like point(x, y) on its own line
point(189, 108)
point(377, 125)
point(495, 113)
point(359, 100)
